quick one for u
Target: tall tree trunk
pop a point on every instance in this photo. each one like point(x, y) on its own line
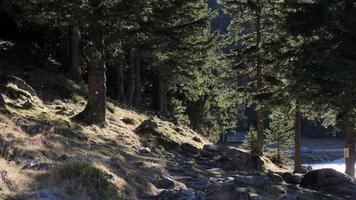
point(66, 54)
point(95, 110)
point(350, 148)
point(138, 88)
point(297, 144)
point(121, 81)
point(162, 96)
point(74, 70)
point(258, 146)
point(132, 79)
point(278, 151)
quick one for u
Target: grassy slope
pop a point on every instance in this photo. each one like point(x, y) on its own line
point(39, 127)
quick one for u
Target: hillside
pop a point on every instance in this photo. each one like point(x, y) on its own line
point(46, 155)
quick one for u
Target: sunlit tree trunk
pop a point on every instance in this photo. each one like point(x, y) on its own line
point(349, 147)
point(74, 52)
point(138, 88)
point(95, 110)
point(258, 145)
point(121, 81)
point(132, 79)
point(297, 144)
point(162, 96)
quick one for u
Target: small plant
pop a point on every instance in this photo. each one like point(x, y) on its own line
point(250, 139)
point(280, 133)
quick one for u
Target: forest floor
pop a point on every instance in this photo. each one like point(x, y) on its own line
point(45, 155)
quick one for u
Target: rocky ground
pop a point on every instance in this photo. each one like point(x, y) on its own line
point(45, 155)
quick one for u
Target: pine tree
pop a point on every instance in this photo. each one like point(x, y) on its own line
point(327, 61)
point(280, 130)
point(252, 41)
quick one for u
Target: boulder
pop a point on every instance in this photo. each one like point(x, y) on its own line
point(144, 150)
point(210, 148)
point(275, 177)
point(292, 178)
point(188, 148)
point(226, 191)
point(181, 194)
point(329, 181)
point(168, 183)
point(256, 181)
point(147, 126)
point(234, 159)
point(322, 178)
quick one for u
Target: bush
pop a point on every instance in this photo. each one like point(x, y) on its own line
point(250, 139)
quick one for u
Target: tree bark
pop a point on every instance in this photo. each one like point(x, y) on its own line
point(74, 37)
point(121, 81)
point(350, 148)
point(162, 96)
point(95, 110)
point(132, 79)
point(138, 88)
point(258, 147)
point(297, 144)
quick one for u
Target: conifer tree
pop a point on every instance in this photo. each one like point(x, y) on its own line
point(327, 61)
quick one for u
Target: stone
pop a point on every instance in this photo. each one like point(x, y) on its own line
point(210, 148)
point(35, 165)
point(275, 177)
point(182, 194)
point(165, 183)
point(188, 148)
point(292, 178)
point(257, 181)
point(234, 159)
point(325, 177)
point(329, 181)
point(227, 190)
point(144, 150)
point(147, 126)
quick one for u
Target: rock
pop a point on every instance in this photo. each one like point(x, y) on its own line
point(147, 126)
point(234, 159)
point(144, 150)
point(46, 195)
point(181, 194)
point(257, 181)
point(292, 178)
point(226, 191)
point(196, 139)
point(188, 148)
point(210, 148)
point(35, 165)
point(275, 177)
point(165, 183)
point(325, 177)
point(329, 181)
point(253, 196)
